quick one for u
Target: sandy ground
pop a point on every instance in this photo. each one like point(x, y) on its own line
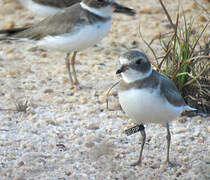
point(69, 134)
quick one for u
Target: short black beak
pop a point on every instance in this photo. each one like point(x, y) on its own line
point(122, 69)
point(124, 10)
point(118, 71)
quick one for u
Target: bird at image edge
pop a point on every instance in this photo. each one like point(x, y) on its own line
point(71, 30)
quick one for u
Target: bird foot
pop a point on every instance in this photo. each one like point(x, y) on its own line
point(76, 87)
point(137, 163)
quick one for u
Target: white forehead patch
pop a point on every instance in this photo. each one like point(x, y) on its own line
point(123, 60)
point(105, 12)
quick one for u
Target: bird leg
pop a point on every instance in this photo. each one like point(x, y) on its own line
point(72, 61)
point(142, 145)
point(168, 137)
point(69, 68)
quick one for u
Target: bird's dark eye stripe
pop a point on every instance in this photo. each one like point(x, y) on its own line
point(138, 61)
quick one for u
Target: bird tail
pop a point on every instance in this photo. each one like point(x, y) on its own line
point(6, 34)
point(188, 108)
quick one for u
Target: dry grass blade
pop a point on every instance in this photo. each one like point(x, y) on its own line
point(198, 75)
point(167, 14)
point(196, 58)
point(149, 46)
point(187, 68)
point(165, 57)
point(108, 91)
point(202, 7)
point(175, 37)
point(21, 105)
point(199, 37)
point(1, 109)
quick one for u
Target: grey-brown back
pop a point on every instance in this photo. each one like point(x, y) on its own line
point(170, 91)
point(65, 21)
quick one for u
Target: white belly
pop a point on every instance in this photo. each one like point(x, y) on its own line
point(144, 106)
point(83, 38)
point(38, 9)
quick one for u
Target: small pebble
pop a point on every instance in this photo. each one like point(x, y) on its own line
point(92, 127)
point(10, 25)
point(180, 130)
point(154, 165)
point(21, 163)
point(71, 99)
point(43, 55)
point(208, 129)
point(83, 100)
point(193, 6)
point(30, 87)
point(145, 11)
point(182, 120)
point(201, 140)
point(68, 173)
point(48, 91)
point(202, 18)
point(89, 144)
point(10, 51)
point(180, 150)
point(196, 133)
point(156, 35)
point(28, 24)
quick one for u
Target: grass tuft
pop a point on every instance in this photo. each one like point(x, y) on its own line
point(185, 61)
point(21, 105)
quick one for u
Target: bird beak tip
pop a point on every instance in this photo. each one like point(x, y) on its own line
point(122, 9)
point(118, 71)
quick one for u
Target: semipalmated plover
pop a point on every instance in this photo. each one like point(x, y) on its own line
point(71, 30)
point(49, 7)
point(148, 96)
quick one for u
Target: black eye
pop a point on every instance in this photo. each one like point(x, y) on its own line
point(138, 61)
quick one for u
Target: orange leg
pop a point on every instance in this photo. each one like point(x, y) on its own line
point(72, 61)
point(142, 146)
point(69, 69)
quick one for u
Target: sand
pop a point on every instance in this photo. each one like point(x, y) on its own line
point(68, 133)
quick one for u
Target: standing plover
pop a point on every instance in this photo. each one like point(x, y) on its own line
point(71, 30)
point(148, 96)
point(49, 7)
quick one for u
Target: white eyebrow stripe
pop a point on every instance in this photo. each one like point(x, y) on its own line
point(123, 60)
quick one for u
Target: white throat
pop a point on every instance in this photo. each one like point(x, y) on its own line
point(124, 61)
point(103, 12)
point(131, 75)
